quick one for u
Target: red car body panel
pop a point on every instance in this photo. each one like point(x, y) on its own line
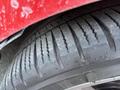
point(18, 14)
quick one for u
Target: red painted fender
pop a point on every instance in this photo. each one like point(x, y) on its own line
point(18, 14)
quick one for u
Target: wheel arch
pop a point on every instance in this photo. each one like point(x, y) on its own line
point(26, 13)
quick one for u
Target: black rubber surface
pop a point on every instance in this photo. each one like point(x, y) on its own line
point(109, 86)
point(63, 45)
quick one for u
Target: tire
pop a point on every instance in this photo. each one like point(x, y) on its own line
point(67, 51)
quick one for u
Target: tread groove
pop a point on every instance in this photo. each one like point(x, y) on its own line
point(11, 77)
point(94, 32)
point(20, 70)
point(77, 43)
point(29, 60)
point(84, 33)
point(64, 39)
point(16, 69)
point(47, 46)
point(42, 55)
point(115, 10)
point(107, 33)
point(36, 61)
point(56, 51)
point(25, 61)
point(112, 19)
